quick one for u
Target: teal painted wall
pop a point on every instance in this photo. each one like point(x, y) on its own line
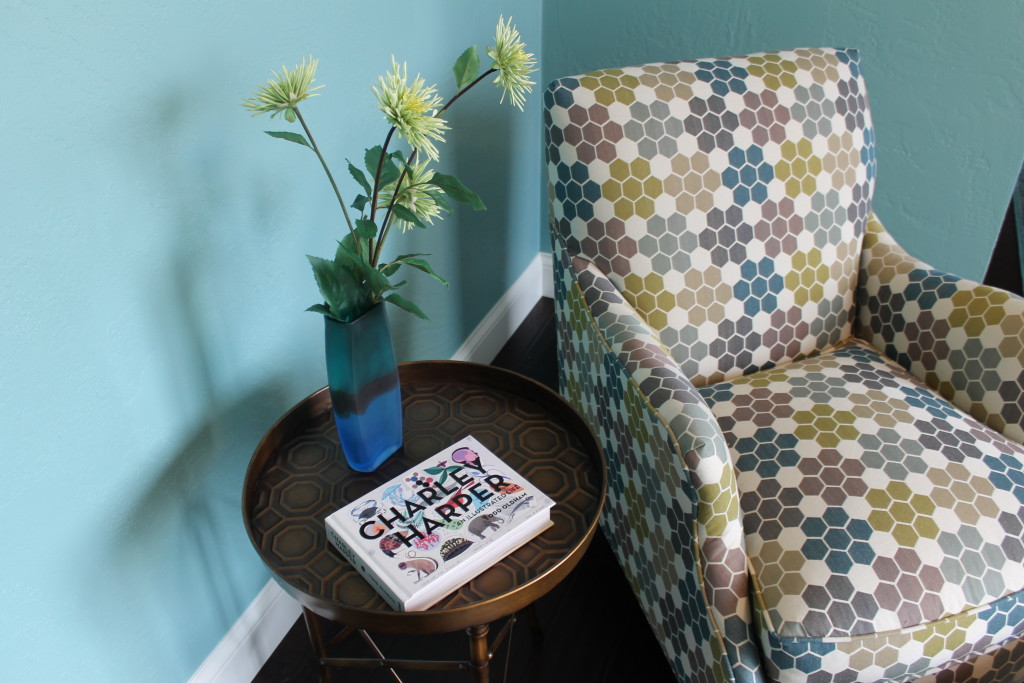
point(152, 288)
point(945, 79)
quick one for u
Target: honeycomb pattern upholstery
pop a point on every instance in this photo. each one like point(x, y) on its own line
point(964, 339)
point(813, 440)
point(670, 199)
point(872, 507)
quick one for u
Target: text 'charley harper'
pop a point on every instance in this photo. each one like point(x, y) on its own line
point(448, 511)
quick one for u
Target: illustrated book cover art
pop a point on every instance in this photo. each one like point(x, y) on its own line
point(425, 533)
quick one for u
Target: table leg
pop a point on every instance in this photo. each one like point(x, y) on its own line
point(479, 652)
point(316, 636)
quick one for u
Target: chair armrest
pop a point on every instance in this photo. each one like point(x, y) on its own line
point(963, 339)
point(690, 424)
point(673, 513)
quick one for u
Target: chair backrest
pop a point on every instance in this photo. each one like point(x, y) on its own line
point(725, 198)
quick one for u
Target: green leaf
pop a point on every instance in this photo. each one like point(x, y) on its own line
point(466, 67)
point(440, 200)
point(397, 162)
point(346, 253)
point(360, 202)
point(319, 308)
point(420, 264)
point(378, 282)
point(349, 241)
point(339, 287)
point(370, 280)
point(360, 178)
point(405, 305)
point(433, 470)
point(389, 173)
point(417, 263)
point(366, 228)
point(358, 244)
point(406, 215)
point(454, 188)
point(290, 137)
point(392, 267)
point(326, 279)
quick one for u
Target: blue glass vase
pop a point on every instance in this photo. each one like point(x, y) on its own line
point(363, 378)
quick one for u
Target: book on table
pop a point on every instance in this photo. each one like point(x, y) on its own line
point(428, 531)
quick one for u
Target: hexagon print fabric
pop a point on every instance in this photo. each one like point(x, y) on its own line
point(725, 199)
point(883, 526)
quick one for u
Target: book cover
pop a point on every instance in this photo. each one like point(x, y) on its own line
point(425, 533)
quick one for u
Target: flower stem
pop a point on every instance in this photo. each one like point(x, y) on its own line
point(337, 192)
point(463, 91)
point(388, 216)
point(380, 169)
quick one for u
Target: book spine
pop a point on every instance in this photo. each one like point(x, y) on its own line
point(367, 572)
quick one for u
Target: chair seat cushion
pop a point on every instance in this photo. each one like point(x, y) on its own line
point(883, 526)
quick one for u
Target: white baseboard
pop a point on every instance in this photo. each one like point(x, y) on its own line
point(547, 269)
point(484, 343)
point(249, 643)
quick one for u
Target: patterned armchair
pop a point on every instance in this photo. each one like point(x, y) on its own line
point(814, 440)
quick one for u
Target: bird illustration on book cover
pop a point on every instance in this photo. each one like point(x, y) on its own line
point(458, 507)
point(436, 513)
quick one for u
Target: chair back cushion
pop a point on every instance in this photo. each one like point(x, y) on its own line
point(726, 198)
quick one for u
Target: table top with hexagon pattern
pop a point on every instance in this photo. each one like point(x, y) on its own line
point(298, 476)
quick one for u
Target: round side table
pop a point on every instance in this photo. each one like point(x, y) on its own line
point(298, 476)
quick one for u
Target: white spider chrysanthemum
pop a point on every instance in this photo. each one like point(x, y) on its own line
point(283, 92)
point(514, 64)
point(410, 109)
point(413, 195)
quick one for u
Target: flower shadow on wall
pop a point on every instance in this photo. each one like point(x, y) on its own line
point(172, 559)
point(184, 528)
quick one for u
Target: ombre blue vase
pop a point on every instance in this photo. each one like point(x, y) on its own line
point(365, 395)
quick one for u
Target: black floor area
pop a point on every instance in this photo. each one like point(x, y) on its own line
point(593, 628)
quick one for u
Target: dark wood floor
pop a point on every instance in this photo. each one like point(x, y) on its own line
point(593, 629)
